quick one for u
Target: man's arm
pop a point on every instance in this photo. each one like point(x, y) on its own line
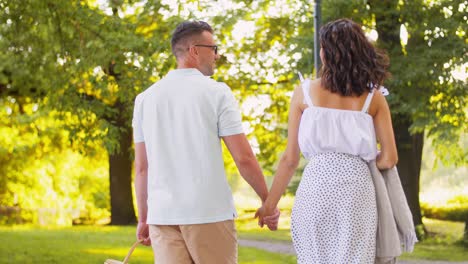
point(141, 189)
point(246, 162)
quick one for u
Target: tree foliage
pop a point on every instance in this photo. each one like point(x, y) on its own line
point(41, 178)
point(80, 64)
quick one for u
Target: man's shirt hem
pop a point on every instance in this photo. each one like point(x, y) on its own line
point(192, 221)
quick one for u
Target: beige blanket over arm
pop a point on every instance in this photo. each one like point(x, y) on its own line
point(400, 209)
point(395, 226)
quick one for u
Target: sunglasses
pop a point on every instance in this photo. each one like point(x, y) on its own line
point(214, 47)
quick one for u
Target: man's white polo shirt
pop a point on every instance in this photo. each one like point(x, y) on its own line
point(181, 119)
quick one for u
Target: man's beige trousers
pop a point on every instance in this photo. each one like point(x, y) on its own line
point(212, 243)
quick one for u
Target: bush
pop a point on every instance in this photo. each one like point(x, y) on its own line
point(455, 209)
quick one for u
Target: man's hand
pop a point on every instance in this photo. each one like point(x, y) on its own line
point(142, 233)
point(268, 217)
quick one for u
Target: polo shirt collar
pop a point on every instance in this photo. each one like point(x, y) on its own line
point(184, 72)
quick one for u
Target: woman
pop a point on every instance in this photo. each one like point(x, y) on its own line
point(336, 122)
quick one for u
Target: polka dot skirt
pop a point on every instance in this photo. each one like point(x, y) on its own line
point(334, 218)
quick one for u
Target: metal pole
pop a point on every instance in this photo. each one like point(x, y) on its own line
point(317, 21)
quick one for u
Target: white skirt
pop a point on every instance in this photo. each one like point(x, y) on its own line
point(334, 217)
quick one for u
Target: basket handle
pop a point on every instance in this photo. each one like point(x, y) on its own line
point(131, 251)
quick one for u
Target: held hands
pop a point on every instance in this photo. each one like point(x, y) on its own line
point(268, 217)
point(142, 233)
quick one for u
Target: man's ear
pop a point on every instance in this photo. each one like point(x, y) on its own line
point(193, 51)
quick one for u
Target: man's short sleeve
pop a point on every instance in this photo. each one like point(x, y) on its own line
point(137, 122)
point(229, 116)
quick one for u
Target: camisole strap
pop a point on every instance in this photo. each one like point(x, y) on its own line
point(368, 101)
point(305, 89)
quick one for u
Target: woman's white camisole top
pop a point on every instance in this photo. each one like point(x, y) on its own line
point(324, 129)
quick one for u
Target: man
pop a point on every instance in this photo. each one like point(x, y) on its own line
point(185, 205)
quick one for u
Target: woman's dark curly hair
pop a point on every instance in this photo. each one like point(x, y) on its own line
point(352, 65)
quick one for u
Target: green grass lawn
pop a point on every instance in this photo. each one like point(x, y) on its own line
point(92, 244)
point(443, 242)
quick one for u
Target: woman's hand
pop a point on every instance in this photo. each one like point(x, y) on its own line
point(268, 217)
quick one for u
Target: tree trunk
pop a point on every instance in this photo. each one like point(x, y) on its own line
point(120, 171)
point(409, 165)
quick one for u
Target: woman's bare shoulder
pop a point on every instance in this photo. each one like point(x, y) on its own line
point(378, 103)
point(315, 82)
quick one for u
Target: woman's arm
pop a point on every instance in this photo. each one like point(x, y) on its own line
point(290, 159)
point(388, 156)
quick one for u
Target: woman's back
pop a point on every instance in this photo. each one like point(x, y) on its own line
point(322, 97)
point(334, 123)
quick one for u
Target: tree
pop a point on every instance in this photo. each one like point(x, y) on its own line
point(425, 97)
point(89, 65)
point(89, 62)
point(428, 97)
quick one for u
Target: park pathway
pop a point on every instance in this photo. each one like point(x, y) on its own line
point(287, 248)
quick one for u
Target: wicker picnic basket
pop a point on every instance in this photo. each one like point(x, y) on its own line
point(125, 261)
